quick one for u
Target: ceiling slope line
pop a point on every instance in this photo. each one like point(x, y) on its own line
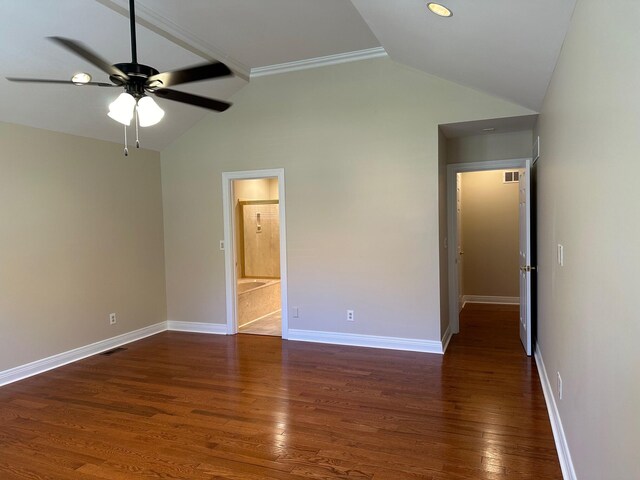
point(177, 35)
point(317, 62)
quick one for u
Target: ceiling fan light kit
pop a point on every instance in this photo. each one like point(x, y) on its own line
point(139, 81)
point(439, 9)
point(149, 113)
point(121, 109)
point(81, 78)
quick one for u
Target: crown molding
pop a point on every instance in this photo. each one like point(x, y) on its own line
point(318, 62)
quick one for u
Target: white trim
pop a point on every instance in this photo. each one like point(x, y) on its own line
point(229, 251)
point(490, 299)
point(446, 338)
point(536, 150)
point(318, 62)
point(60, 359)
point(373, 341)
point(452, 234)
point(197, 327)
point(566, 464)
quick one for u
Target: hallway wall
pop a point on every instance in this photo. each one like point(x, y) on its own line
point(489, 146)
point(588, 201)
point(490, 235)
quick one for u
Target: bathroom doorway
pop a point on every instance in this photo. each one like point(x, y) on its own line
point(254, 243)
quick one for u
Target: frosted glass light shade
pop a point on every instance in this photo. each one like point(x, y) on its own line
point(439, 9)
point(149, 113)
point(81, 78)
point(121, 109)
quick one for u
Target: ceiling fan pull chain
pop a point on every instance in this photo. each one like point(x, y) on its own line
point(126, 150)
point(137, 139)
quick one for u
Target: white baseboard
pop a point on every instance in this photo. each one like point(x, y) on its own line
point(566, 464)
point(446, 337)
point(490, 299)
point(393, 343)
point(197, 327)
point(55, 361)
point(49, 363)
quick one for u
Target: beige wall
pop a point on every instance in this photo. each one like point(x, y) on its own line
point(443, 242)
point(80, 237)
point(588, 194)
point(489, 234)
point(491, 146)
point(359, 145)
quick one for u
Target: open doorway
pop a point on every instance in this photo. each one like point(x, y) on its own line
point(488, 263)
point(488, 237)
point(255, 252)
point(257, 247)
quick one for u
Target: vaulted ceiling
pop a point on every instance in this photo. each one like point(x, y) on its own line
point(503, 47)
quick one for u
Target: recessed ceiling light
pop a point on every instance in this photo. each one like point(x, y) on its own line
point(439, 10)
point(490, 129)
point(81, 78)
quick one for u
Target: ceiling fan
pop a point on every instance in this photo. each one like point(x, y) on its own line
point(139, 81)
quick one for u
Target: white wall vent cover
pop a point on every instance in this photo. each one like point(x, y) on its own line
point(511, 177)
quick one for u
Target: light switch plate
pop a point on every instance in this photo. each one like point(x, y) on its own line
point(560, 255)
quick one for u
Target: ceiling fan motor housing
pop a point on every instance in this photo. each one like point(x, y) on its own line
point(138, 75)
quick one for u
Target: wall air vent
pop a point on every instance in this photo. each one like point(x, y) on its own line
point(511, 177)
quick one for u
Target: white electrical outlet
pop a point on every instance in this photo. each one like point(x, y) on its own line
point(295, 312)
point(350, 316)
point(221, 244)
point(559, 387)
point(112, 319)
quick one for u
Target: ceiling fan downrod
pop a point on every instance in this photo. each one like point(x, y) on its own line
point(132, 23)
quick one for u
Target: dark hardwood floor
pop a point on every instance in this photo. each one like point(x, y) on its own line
point(192, 406)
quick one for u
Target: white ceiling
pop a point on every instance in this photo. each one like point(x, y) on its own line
point(503, 47)
point(507, 48)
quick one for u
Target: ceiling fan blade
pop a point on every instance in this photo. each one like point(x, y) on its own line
point(189, 74)
point(65, 82)
point(197, 100)
point(90, 56)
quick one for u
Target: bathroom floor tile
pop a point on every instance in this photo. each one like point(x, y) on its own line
point(269, 325)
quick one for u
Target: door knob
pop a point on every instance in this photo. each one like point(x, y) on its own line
point(527, 268)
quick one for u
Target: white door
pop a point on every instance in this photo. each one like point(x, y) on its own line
point(459, 251)
point(525, 257)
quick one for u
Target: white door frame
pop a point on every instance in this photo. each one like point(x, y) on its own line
point(230, 247)
point(452, 242)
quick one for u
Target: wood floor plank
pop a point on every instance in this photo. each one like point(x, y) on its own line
point(247, 407)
